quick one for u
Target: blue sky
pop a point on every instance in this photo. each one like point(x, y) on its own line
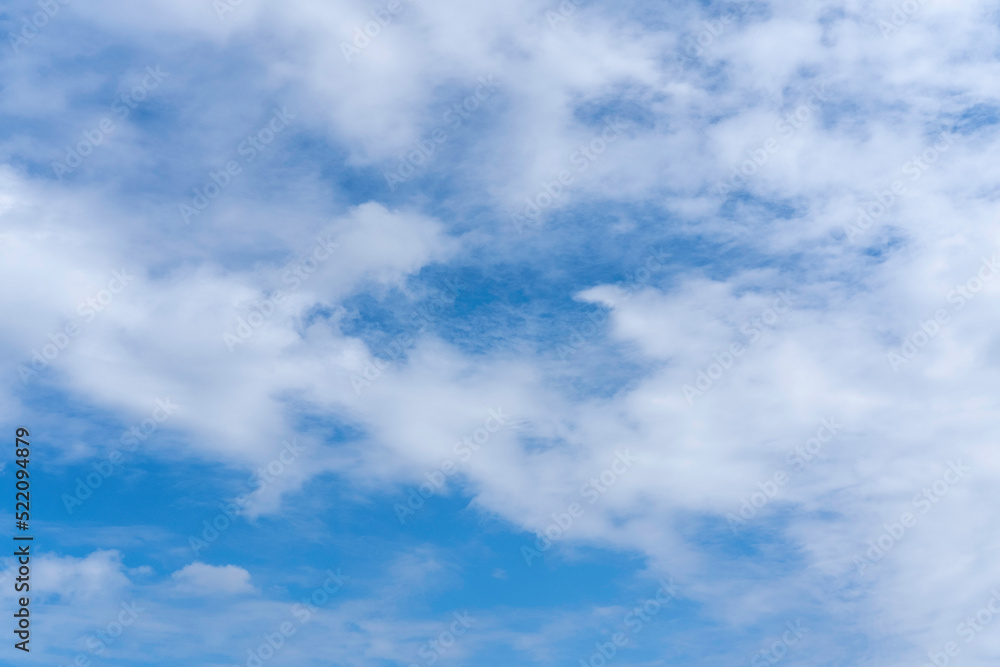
point(534, 333)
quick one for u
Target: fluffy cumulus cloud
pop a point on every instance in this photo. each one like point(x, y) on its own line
point(413, 333)
point(202, 579)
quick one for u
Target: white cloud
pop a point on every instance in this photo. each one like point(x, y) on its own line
point(825, 358)
point(98, 575)
point(201, 579)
